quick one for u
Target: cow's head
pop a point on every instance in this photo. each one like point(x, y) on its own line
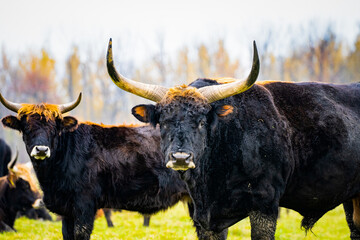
point(40, 125)
point(23, 193)
point(185, 114)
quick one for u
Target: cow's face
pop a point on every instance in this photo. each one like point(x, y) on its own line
point(184, 113)
point(186, 122)
point(41, 126)
point(22, 197)
point(23, 193)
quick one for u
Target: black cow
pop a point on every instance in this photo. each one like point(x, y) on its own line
point(40, 213)
point(16, 194)
point(85, 167)
point(295, 145)
point(32, 213)
point(5, 157)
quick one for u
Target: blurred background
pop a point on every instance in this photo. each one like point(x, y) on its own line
point(52, 50)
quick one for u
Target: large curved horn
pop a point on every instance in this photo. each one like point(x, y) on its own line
point(149, 91)
point(217, 92)
point(10, 105)
point(12, 163)
point(70, 106)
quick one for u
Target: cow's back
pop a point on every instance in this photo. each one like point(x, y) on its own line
point(323, 126)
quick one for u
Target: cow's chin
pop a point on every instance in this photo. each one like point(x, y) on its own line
point(183, 167)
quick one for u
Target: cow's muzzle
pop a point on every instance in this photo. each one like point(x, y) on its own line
point(38, 203)
point(40, 152)
point(180, 161)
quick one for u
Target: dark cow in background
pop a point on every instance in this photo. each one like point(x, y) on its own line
point(5, 157)
point(83, 167)
point(16, 193)
point(295, 145)
point(40, 213)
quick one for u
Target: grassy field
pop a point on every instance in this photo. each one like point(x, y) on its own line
point(175, 224)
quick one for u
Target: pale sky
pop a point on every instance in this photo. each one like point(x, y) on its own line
point(59, 25)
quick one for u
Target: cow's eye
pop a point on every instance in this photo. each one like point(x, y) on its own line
point(201, 123)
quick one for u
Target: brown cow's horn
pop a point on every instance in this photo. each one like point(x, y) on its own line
point(218, 92)
point(149, 91)
point(10, 105)
point(12, 163)
point(70, 106)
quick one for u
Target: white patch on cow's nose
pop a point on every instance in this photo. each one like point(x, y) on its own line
point(40, 152)
point(38, 203)
point(170, 164)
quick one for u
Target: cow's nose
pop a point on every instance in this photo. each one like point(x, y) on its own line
point(180, 160)
point(40, 152)
point(38, 203)
point(181, 156)
point(42, 149)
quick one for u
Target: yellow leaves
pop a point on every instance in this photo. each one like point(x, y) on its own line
point(43, 65)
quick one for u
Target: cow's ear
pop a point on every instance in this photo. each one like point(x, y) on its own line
point(224, 110)
point(69, 124)
point(144, 113)
point(11, 122)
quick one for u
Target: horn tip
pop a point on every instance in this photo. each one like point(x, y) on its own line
point(109, 52)
point(80, 96)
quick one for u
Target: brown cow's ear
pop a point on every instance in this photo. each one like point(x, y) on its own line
point(224, 110)
point(144, 113)
point(70, 124)
point(11, 122)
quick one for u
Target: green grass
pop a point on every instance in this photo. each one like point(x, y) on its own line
point(175, 224)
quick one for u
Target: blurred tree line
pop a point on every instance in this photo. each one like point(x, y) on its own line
point(33, 77)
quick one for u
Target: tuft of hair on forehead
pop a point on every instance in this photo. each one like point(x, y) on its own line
point(49, 111)
point(183, 93)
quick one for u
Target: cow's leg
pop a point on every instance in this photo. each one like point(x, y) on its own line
point(84, 224)
point(107, 213)
point(146, 220)
point(84, 211)
point(263, 226)
point(209, 235)
point(202, 233)
point(68, 228)
point(349, 212)
point(5, 228)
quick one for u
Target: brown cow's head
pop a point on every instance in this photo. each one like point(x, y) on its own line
point(23, 192)
point(185, 114)
point(40, 125)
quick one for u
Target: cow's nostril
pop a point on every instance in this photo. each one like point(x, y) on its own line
point(43, 149)
point(181, 156)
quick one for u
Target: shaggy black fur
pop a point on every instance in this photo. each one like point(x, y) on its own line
point(294, 145)
point(93, 167)
point(5, 157)
point(12, 200)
